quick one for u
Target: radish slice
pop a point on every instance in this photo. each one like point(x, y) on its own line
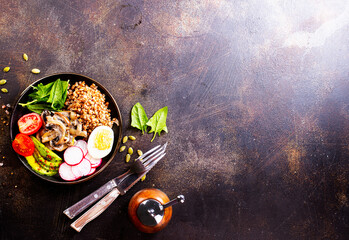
point(92, 171)
point(73, 155)
point(82, 169)
point(82, 145)
point(65, 171)
point(95, 162)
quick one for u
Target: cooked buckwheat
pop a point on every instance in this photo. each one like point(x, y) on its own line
point(90, 105)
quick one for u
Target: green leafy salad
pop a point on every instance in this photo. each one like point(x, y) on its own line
point(51, 96)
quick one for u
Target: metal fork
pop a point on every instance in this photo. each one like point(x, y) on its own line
point(107, 200)
point(147, 161)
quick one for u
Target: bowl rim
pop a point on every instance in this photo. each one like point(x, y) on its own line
point(119, 118)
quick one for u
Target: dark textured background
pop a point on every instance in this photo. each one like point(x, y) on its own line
point(258, 112)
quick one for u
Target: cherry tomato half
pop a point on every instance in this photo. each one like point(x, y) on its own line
point(23, 145)
point(29, 123)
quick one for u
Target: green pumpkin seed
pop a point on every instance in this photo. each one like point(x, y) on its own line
point(35, 71)
point(140, 153)
point(128, 157)
point(2, 81)
point(130, 150)
point(122, 148)
point(124, 140)
point(143, 178)
point(4, 90)
point(6, 69)
point(25, 57)
point(132, 138)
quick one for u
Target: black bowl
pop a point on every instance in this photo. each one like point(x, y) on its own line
point(19, 111)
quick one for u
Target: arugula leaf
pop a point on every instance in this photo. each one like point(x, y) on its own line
point(139, 118)
point(158, 122)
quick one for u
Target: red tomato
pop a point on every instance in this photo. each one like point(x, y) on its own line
point(23, 145)
point(30, 123)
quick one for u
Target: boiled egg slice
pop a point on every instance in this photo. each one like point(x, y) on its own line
point(100, 142)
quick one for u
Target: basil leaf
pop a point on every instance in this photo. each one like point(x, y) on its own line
point(158, 122)
point(139, 118)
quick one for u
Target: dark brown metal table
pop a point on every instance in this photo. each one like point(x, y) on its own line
point(258, 119)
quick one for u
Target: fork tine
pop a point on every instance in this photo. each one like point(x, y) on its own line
point(152, 164)
point(148, 153)
point(154, 158)
point(162, 149)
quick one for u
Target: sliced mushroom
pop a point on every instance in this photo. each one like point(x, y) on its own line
point(40, 133)
point(60, 129)
point(71, 141)
point(49, 136)
point(46, 113)
point(76, 129)
point(59, 148)
point(58, 126)
point(73, 116)
point(63, 118)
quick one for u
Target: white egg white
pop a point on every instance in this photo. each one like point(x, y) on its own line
point(92, 150)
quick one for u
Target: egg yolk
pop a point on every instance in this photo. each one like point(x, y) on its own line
point(103, 139)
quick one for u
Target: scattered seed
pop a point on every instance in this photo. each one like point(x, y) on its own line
point(6, 69)
point(132, 138)
point(4, 90)
point(128, 157)
point(35, 71)
point(2, 81)
point(143, 178)
point(25, 57)
point(130, 150)
point(140, 153)
point(122, 148)
point(124, 140)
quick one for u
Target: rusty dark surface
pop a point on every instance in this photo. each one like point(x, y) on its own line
point(258, 119)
